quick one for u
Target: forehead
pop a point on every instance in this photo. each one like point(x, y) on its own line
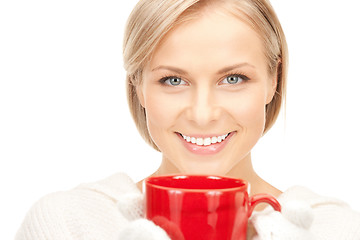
point(214, 38)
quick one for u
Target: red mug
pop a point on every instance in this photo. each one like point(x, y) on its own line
point(193, 207)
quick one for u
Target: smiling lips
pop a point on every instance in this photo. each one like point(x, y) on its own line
point(207, 145)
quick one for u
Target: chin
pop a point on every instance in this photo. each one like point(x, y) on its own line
point(205, 169)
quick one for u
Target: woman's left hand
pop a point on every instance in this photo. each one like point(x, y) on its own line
point(293, 223)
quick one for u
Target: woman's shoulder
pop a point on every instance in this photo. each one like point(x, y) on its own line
point(332, 217)
point(89, 208)
point(112, 187)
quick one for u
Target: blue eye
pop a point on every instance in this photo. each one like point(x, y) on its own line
point(173, 81)
point(234, 79)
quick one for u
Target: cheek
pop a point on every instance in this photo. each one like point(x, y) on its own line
point(249, 110)
point(161, 112)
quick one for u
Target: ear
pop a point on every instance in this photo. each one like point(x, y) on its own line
point(140, 95)
point(273, 82)
point(272, 88)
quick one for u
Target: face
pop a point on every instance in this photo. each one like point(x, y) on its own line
point(205, 92)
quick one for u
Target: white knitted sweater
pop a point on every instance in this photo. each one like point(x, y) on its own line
point(112, 208)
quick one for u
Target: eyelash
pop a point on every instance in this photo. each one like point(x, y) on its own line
point(235, 74)
point(167, 77)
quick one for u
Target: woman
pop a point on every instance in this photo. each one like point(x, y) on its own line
point(205, 81)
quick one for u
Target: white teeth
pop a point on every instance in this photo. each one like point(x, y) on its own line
point(205, 141)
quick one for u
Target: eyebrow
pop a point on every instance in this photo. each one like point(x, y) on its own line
point(173, 69)
point(221, 71)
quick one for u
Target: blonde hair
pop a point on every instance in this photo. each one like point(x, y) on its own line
point(150, 21)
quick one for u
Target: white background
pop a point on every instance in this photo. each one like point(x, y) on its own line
point(64, 118)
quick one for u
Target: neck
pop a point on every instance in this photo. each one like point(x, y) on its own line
point(244, 170)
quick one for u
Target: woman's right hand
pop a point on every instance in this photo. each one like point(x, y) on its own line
point(138, 228)
point(142, 229)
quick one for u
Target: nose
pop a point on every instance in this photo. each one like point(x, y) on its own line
point(203, 108)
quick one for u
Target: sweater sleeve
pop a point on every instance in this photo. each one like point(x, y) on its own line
point(333, 219)
point(78, 214)
point(109, 209)
point(45, 220)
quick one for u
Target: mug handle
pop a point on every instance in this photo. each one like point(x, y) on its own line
point(263, 198)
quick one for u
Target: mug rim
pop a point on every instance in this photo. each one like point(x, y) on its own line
point(243, 187)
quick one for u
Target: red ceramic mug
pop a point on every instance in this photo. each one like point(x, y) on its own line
point(194, 207)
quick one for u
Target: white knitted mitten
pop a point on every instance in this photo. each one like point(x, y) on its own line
point(131, 205)
point(293, 223)
point(138, 228)
point(142, 229)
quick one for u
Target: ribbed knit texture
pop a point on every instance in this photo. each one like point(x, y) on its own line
point(333, 219)
point(113, 208)
point(88, 212)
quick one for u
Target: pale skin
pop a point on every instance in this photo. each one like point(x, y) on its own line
point(209, 77)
